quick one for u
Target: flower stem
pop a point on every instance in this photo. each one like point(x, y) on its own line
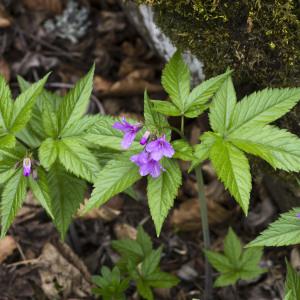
point(182, 124)
point(205, 231)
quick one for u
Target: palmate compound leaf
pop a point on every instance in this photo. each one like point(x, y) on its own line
point(77, 159)
point(280, 148)
point(283, 232)
point(263, 107)
point(22, 107)
point(13, 195)
point(67, 192)
point(75, 103)
point(233, 170)
point(48, 153)
point(222, 106)
point(292, 284)
point(162, 191)
point(114, 178)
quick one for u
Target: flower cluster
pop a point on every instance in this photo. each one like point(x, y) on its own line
point(149, 159)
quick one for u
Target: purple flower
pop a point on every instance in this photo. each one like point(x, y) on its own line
point(130, 131)
point(26, 167)
point(147, 165)
point(298, 215)
point(159, 148)
point(145, 138)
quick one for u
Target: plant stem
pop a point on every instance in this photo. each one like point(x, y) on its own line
point(182, 125)
point(205, 231)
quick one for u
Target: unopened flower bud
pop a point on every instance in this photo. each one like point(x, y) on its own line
point(26, 166)
point(145, 138)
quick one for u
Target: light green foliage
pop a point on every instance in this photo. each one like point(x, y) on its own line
point(110, 284)
point(48, 153)
point(114, 178)
point(235, 263)
point(161, 192)
point(13, 196)
point(292, 284)
point(140, 263)
point(176, 82)
point(285, 231)
point(183, 150)
point(67, 192)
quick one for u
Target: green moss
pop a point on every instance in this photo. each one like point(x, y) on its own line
point(259, 39)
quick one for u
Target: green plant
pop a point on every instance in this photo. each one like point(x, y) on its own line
point(292, 284)
point(235, 263)
point(139, 263)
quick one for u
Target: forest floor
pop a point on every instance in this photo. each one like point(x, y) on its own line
point(34, 263)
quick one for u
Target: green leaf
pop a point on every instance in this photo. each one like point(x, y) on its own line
point(222, 107)
point(128, 248)
point(144, 290)
point(13, 195)
point(77, 159)
point(196, 110)
point(233, 170)
point(6, 104)
point(165, 107)
point(263, 107)
point(202, 150)
point(161, 192)
point(183, 150)
point(232, 247)
point(280, 148)
point(104, 135)
point(226, 279)
point(283, 232)
point(49, 120)
point(48, 153)
point(114, 178)
point(162, 280)
point(67, 192)
point(22, 107)
point(292, 283)
point(151, 262)
point(202, 93)
point(7, 141)
point(40, 190)
point(219, 261)
point(75, 103)
point(176, 81)
point(144, 241)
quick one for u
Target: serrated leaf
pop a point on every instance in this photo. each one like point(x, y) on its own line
point(75, 103)
point(165, 107)
point(283, 232)
point(162, 280)
point(196, 110)
point(40, 190)
point(144, 290)
point(7, 141)
point(13, 195)
point(176, 81)
point(280, 148)
point(202, 93)
point(222, 107)
point(144, 241)
point(22, 107)
point(263, 107)
point(114, 178)
point(292, 283)
point(233, 170)
point(77, 159)
point(151, 262)
point(49, 120)
point(162, 191)
point(48, 153)
point(232, 247)
point(226, 279)
point(219, 261)
point(67, 192)
point(6, 104)
point(183, 150)
point(128, 248)
point(201, 151)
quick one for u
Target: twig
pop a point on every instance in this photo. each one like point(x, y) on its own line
point(205, 231)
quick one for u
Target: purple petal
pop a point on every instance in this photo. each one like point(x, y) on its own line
point(128, 139)
point(152, 146)
point(157, 155)
point(298, 215)
point(120, 126)
point(26, 167)
point(145, 138)
point(168, 150)
point(140, 159)
point(155, 169)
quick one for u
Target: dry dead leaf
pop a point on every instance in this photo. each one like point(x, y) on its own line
point(7, 247)
point(5, 18)
point(60, 275)
point(125, 231)
point(295, 258)
point(101, 84)
point(53, 6)
point(4, 68)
